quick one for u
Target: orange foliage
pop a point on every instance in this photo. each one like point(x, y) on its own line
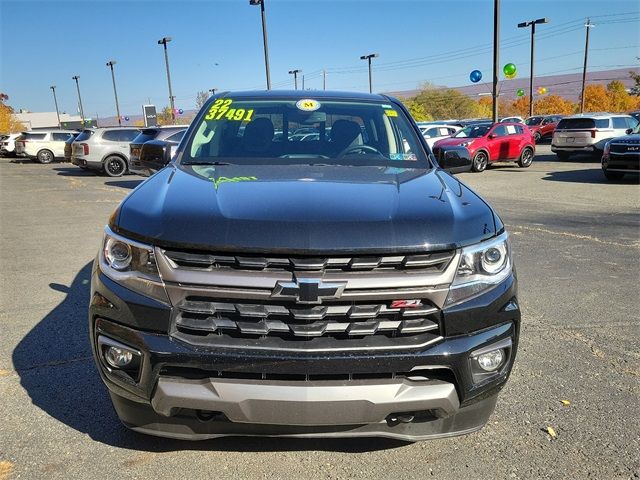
point(553, 104)
point(596, 99)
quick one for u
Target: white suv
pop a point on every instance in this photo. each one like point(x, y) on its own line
point(45, 146)
point(588, 133)
point(434, 132)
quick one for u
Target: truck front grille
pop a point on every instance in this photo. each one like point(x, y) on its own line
point(233, 301)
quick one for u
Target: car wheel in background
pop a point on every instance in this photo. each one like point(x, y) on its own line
point(480, 161)
point(612, 175)
point(562, 156)
point(537, 137)
point(115, 166)
point(45, 156)
point(526, 157)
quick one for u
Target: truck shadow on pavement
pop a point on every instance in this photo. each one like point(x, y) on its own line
point(58, 373)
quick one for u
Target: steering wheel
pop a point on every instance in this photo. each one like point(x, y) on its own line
point(359, 148)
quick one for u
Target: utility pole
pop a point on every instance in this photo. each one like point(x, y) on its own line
point(368, 59)
point(295, 76)
point(302, 82)
point(588, 26)
point(496, 57)
point(110, 64)
point(532, 24)
point(163, 41)
point(264, 39)
point(76, 78)
point(324, 79)
point(55, 100)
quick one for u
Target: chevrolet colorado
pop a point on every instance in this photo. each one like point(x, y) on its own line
point(346, 285)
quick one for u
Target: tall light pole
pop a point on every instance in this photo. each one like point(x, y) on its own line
point(368, 59)
point(496, 57)
point(324, 79)
point(532, 24)
point(588, 26)
point(110, 64)
point(163, 41)
point(76, 78)
point(55, 100)
point(295, 76)
point(264, 39)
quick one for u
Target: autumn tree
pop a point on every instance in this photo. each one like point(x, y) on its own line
point(165, 117)
point(520, 106)
point(483, 107)
point(596, 99)
point(635, 90)
point(553, 104)
point(8, 122)
point(620, 100)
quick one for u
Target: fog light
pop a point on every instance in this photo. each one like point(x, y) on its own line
point(118, 357)
point(491, 361)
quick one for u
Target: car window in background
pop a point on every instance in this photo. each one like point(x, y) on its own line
point(120, 135)
point(473, 131)
point(432, 132)
point(146, 135)
point(33, 136)
point(60, 137)
point(176, 137)
point(84, 135)
point(501, 130)
point(620, 122)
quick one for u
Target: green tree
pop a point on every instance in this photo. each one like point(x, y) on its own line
point(445, 103)
point(417, 111)
point(635, 90)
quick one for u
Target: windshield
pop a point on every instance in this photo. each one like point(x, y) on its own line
point(308, 131)
point(473, 131)
point(534, 121)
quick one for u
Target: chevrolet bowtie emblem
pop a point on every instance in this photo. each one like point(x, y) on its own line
point(308, 290)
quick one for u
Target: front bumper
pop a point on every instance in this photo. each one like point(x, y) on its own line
point(188, 392)
point(624, 163)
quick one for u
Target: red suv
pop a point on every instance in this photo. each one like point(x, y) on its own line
point(542, 126)
point(489, 143)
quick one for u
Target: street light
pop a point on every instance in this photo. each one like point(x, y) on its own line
point(532, 24)
point(110, 64)
point(295, 76)
point(55, 100)
point(264, 39)
point(76, 78)
point(368, 59)
point(163, 41)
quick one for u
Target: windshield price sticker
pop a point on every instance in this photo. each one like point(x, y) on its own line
point(308, 105)
point(221, 109)
point(391, 113)
point(406, 157)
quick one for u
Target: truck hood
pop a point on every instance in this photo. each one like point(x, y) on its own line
point(304, 209)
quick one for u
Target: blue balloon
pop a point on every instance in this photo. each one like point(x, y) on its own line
point(126, 119)
point(475, 76)
point(180, 111)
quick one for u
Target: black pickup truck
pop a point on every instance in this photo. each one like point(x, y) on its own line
point(347, 285)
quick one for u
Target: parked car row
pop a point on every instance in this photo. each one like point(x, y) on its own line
point(107, 149)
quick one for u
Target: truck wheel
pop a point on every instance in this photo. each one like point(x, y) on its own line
point(612, 175)
point(45, 156)
point(115, 166)
point(562, 156)
point(480, 162)
point(526, 158)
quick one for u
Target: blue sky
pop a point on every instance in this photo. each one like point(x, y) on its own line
point(218, 43)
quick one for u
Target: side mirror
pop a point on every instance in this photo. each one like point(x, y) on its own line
point(492, 136)
point(154, 156)
point(628, 131)
point(455, 159)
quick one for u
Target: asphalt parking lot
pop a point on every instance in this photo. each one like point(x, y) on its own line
point(577, 244)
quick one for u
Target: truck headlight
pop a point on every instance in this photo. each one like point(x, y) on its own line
point(131, 264)
point(482, 267)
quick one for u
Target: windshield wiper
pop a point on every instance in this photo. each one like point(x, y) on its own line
point(208, 163)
